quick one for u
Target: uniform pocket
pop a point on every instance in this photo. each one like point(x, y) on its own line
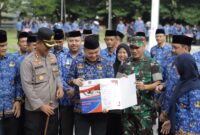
point(41, 75)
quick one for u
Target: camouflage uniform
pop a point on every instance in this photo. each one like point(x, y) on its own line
point(139, 119)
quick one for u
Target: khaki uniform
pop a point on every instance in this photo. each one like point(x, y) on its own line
point(40, 80)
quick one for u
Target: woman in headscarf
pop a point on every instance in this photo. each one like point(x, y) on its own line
point(184, 114)
point(114, 121)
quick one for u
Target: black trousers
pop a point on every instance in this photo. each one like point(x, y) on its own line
point(114, 126)
point(34, 123)
point(97, 122)
point(10, 125)
point(66, 119)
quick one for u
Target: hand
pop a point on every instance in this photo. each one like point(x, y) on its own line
point(166, 126)
point(120, 75)
point(140, 85)
point(163, 117)
point(159, 88)
point(17, 109)
point(78, 81)
point(70, 93)
point(105, 111)
point(47, 109)
point(59, 93)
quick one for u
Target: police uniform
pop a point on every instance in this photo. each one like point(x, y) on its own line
point(81, 68)
point(40, 79)
point(9, 93)
point(139, 119)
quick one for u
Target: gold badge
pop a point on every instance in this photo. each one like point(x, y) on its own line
point(182, 105)
point(197, 104)
point(80, 66)
point(37, 62)
point(41, 77)
point(100, 66)
point(11, 64)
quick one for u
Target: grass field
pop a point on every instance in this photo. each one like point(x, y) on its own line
point(12, 40)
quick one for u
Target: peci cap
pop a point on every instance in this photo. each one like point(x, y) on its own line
point(182, 39)
point(91, 42)
point(3, 36)
point(59, 34)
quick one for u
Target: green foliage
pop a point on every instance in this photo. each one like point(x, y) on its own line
point(44, 7)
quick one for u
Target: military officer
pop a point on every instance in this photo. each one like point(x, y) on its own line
point(42, 87)
point(139, 119)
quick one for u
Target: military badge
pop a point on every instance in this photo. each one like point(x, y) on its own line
point(11, 64)
point(100, 66)
point(80, 66)
point(41, 77)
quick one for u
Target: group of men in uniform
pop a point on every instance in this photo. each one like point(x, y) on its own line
point(39, 84)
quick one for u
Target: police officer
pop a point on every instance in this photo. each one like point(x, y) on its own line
point(139, 119)
point(66, 116)
point(42, 87)
point(89, 67)
point(109, 53)
point(10, 96)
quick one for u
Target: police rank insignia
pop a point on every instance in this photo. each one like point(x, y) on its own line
point(100, 66)
point(41, 77)
point(80, 66)
point(11, 64)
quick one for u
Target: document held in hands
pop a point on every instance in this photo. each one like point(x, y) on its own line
point(108, 94)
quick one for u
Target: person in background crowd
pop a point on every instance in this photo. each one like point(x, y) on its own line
point(120, 37)
point(109, 53)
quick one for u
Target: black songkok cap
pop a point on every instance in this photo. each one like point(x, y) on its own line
point(111, 33)
point(140, 34)
point(47, 36)
point(121, 35)
point(91, 42)
point(32, 38)
point(160, 31)
point(23, 35)
point(74, 34)
point(59, 34)
point(3, 36)
point(87, 31)
point(182, 39)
